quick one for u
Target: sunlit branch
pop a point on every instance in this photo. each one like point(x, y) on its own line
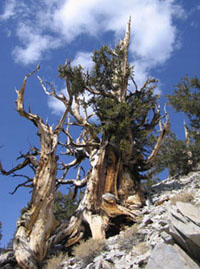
point(101, 93)
point(75, 182)
point(20, 100)
point(155, 119)
point(53, 93)
point(80, 156)
point(164, 129)
point(78, 144)
point(135, 84)
point(126, 42)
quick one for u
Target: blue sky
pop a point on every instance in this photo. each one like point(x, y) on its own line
point(164, 43)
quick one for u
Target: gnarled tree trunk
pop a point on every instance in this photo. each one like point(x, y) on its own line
point(37, 221)
point(105, 197)
point(113, 189)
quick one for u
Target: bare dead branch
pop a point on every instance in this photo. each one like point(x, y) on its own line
point(66, 167)
point(20, 99)
point(75, 182)
point(18, 167)
point(31, 156)
point(148, 82)
point(61, 98)
point(58, 128)
point(74, 111)
point(163, 132)
point(126, 42)
point(78, 144)
point(155, 119)
point(135, 84)
point(101, 93)
point(21, 175)
point(22, 185)
point(52, 92)
point(85, 145)
point(93, 91)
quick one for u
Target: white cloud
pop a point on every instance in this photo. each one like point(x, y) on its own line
point(57, 106)
point(74, 18)
point(153, 31)
point(9, 10)
point(154, 36)
point(52, 24)
point(140, 72)
point(34, 45)
point(84, 59)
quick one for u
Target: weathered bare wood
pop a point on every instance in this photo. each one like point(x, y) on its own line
point(78, 182)
point(187, 139)
point(125, 45)
point(163, 132)
point(97, 224)
point(102, 179)
point(112, 209)
point(37, 221)
point(18, 167)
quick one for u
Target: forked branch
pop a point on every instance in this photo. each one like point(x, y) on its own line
point(27, 184)
point(77, 183)
point(164, 129)
point(29, 160)
point(20, 99)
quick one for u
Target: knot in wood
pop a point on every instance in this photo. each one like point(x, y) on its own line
point(109, 198)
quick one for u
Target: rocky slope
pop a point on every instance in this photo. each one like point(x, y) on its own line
point(167, 235)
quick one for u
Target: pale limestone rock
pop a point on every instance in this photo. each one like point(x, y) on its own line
point(170, 257)
point(167, 237)
point(185, 228)
point(190, 211)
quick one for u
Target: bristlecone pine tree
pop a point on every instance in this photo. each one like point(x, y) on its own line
point(173, 155)
point(114, 138)
point(186, 98)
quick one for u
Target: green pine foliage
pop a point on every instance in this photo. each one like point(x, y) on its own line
point(183, 156)
point(117, 118)
point(173, 155)
point(186, 98)
point(178, 157)
point(75, 75)
point(133, 117)
point(120, 121)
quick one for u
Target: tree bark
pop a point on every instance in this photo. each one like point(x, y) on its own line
point(111, 191)
point(37, 221)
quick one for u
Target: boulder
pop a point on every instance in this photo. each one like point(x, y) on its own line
point(166, 256)
point(185, 227)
